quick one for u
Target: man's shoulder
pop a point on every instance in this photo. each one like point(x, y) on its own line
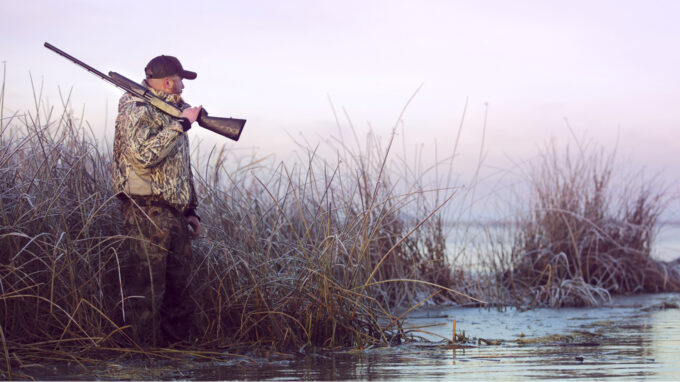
point(127, 99)
point(129, 103)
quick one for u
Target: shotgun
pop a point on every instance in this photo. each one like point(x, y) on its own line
point(227, 127)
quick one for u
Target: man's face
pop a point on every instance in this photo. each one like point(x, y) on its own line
point(175, 85)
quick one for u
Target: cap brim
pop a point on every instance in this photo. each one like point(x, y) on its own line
point(188, 75)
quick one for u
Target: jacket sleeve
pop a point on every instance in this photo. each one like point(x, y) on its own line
point(150, 140)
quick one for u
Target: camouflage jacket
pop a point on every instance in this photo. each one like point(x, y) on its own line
point(151, 153)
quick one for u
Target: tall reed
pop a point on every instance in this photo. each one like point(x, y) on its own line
point(586, 236)
point(317, 254)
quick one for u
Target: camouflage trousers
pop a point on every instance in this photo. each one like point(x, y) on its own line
point(156, 270)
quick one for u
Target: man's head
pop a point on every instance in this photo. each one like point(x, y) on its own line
point(166, 73)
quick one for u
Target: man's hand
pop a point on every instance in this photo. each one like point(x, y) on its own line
point(195, 225)
point(191, 113)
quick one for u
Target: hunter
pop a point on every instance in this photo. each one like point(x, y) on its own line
point(153, 179)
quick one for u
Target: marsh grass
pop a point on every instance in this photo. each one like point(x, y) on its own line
point(328, 252)
point(589, 233)
point(317, 255)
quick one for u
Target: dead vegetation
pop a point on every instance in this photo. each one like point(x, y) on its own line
point(589, 233)
point(314, 255)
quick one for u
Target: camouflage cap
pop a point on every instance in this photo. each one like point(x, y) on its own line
point(166, 66)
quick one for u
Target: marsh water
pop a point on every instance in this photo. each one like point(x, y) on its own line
point(634, 337)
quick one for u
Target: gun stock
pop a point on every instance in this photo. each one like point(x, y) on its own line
point(228, 127)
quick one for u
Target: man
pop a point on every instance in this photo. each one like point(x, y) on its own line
point(152, 176)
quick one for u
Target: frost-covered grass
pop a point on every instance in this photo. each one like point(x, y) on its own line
point(589, 232)
point(315, 254)
point(323, 253)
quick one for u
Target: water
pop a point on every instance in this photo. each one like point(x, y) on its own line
point(631, 338)
point(667, 243)
point(627, 339)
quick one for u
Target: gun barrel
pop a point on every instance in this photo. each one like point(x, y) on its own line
point(80, 63)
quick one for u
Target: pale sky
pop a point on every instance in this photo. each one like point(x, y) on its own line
point(609, 67)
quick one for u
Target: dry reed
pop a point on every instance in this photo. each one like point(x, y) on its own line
point(317, 255)
point(586, 238)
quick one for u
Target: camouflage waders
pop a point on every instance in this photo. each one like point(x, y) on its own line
point(157, 269)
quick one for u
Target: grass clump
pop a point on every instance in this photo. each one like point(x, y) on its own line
point(585, 237)
point(315, 255)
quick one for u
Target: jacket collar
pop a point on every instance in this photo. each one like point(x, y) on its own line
point(170, 98)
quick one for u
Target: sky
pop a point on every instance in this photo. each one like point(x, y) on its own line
point(523, 68)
